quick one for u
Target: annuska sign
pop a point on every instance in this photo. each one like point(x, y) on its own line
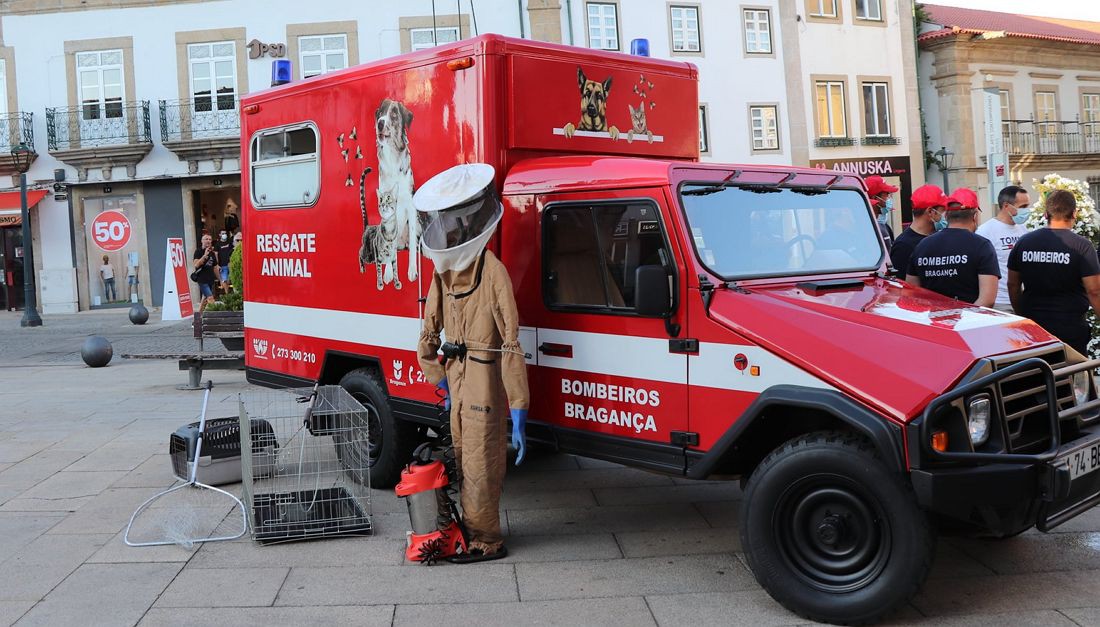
point(897, 168)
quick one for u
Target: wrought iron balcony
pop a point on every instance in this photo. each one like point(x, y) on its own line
point(880, 140)
point(98, 124)
point(183, 120)
point(1060, 137)
point(203, 129)
point(100, 136)
point(16, 128)
point(833, 142)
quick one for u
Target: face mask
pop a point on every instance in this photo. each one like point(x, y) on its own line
point(223, 237)
point(940, 224)
point(1022, 214)
point(890, 204)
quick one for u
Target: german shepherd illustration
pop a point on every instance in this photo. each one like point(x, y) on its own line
point(593, 107)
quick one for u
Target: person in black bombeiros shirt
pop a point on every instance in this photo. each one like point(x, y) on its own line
point(956, 262)
point(928, 205)
point(1054, 275)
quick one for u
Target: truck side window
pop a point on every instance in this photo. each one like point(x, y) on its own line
point(285, 167)
point(590, 253)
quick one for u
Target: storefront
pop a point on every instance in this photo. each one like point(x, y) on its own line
point(895, 170)
point(120, 230)
point(11, 247)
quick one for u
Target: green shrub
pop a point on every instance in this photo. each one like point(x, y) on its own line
point(236, 269)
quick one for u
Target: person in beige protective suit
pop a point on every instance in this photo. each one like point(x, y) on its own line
point(484, 374)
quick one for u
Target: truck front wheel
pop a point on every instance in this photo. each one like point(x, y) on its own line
point(389, 443)
point(833, 534)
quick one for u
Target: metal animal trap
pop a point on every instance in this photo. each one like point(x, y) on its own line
point(319, 485)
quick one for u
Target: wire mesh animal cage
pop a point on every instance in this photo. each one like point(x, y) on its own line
point(319, 486)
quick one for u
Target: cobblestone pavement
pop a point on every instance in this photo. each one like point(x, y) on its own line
point(591, 543)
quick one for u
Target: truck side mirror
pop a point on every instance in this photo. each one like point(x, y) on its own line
point(651, 291)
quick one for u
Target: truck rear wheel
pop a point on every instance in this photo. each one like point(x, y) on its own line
point(833, 534)
point(389, 443)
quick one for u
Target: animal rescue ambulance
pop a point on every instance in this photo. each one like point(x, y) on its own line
point(697, 319)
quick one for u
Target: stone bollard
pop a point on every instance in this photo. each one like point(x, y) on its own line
point(96, 351)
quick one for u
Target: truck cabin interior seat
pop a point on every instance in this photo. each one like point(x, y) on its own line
point(575, 274)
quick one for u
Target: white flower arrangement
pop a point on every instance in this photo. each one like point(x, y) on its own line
point(1087, 225)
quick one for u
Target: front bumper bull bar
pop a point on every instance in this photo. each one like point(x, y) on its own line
point(1008, 491)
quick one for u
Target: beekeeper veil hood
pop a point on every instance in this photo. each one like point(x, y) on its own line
point(463, 209)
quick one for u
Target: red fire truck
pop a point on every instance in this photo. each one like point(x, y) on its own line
point(697, 319)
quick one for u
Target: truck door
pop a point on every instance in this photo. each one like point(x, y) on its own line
point(604, 376)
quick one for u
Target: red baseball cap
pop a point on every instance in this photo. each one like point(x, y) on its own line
point(875, 186)
point(965, 197)
point(928, 196)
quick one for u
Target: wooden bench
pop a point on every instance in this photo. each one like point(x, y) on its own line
point(195, 364)
point(227, 326)
point(220, 325)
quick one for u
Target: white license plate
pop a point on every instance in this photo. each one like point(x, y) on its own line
point(1083, 461)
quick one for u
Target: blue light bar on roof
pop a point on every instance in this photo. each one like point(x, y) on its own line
point(280, 72)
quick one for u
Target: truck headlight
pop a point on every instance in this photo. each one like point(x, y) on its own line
point(1081, 387)
point(977, 420)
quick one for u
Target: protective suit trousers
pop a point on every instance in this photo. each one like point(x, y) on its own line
point(481, 452)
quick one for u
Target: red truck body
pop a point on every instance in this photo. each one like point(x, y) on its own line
point(715, 385)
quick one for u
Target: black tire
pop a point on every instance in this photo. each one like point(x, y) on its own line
point(388, 447)
point(832, 533)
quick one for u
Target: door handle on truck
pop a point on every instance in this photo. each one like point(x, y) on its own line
point(556, 350)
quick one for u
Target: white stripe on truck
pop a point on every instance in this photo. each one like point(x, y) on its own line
point(329, 324)
point(635, 357)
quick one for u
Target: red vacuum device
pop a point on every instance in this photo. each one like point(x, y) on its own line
point(436, 530)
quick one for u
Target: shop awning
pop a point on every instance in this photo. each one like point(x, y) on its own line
point(10, 208)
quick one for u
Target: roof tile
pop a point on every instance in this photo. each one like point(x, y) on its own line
point(956, 19)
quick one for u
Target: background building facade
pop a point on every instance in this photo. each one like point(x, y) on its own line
point(1027, 88)
point(131, 105)
point(852, 84)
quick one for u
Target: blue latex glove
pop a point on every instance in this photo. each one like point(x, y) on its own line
point(519, 436)
point(446, 393)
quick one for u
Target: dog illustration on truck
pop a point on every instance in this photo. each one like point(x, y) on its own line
point(677, 318)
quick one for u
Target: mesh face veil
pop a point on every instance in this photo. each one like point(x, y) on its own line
point(463, 210)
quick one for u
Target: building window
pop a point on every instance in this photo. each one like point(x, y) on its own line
point(213, 69)
point(830, 109)
point(592, 253)
point(423, 37)
point(603, 26)
point(869, 10)
point(99, 76)
point(1046, 110)
point(1046, 107)
point(876, 110)
point(704, 132)
point(284, 167)
point(685, 29)
point(318, 54)
point(1090, 125)
point(823, 8)
point(3, 92)
point(758, 32)
point(765, 127)
point(1006, 109)
point(1090, 108)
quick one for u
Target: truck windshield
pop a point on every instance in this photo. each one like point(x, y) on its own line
point(742, 232)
